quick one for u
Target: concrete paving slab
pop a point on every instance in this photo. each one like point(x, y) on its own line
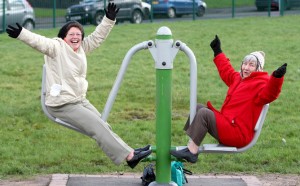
point(134, 180)
point(77, 181)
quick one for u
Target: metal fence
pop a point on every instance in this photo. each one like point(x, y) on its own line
point(51, 13)
point(53, 3)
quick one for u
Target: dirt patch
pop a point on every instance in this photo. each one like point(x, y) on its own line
point(279, 180)
point(35, 181)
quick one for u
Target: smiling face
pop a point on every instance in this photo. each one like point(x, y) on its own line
point(247, 68)
point(252, 63)
point(74, 38)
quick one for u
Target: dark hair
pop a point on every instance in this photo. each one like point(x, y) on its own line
point(65, 29)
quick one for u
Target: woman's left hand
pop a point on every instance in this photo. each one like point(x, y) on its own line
point(111, 11)
point(280, 71)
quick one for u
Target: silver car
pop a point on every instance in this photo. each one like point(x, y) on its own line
point(17, 11)
point(92, 11)
point(178, 8)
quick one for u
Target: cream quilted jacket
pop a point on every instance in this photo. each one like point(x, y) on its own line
point(66, 70)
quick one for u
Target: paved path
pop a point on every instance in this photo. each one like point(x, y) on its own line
point(134, 180)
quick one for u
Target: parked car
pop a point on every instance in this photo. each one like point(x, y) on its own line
point(177, 8)
point(17, 11)
point(92, 11)
point(264, 4)
point(146, 9)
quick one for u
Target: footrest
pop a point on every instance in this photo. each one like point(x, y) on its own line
point(218, 148)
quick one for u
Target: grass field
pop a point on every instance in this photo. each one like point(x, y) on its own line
point(48, 12)
point(30, 144)
point(228, 3)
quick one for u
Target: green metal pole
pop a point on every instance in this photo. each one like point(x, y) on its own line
point(281, 7)
point(3, 17)
point(233, 9)
point(269, 8)
point(194, 17)
point(151, 12)
point(163, 125)
point(54, 13)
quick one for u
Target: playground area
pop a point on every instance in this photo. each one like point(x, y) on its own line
point(260, 161)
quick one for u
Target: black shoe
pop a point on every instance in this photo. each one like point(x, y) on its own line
point(185, 154)
point(142, 149)
point(138, 156)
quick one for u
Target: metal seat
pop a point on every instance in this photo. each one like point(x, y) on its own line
point(219, 148)
point(56, 120)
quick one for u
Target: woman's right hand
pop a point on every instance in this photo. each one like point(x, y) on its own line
point(216, 46)
point(14, 32)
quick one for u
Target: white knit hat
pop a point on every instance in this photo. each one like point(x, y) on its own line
point(260, 56)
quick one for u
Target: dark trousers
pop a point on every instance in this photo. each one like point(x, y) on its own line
point(203, 122)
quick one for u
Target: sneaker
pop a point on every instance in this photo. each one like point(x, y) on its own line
point(138, 156)
point(142, 149)
point(185, 154)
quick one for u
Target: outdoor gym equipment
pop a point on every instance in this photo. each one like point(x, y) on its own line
point(163, 51)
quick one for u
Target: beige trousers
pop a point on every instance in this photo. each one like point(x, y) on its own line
point(85, 116)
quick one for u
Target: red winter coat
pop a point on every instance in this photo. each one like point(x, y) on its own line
point(243, 103)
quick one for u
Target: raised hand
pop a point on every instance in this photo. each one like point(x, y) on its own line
point(216, 46)
point(280, 71)
point(111, 11)
point(14, 32)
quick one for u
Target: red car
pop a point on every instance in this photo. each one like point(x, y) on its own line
point(264, 4)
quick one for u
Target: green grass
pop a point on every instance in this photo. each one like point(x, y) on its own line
point(48, 12)
point(30, 144)
point(228, 3)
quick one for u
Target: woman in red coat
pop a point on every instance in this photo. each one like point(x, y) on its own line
point(249, 90)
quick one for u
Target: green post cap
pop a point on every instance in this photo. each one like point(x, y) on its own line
point(164, 33)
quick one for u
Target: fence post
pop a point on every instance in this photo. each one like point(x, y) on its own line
point(194, 12)
point(54, 13)
point(269, 8)
point(151, 11)
point(281, 7)
point(233, 8)
point(3, 17)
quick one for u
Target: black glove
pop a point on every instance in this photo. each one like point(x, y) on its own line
point(216, 46)
point(280, 71)
point(111, 11)
point(14, 32)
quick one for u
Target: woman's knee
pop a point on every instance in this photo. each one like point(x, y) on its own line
point(200, 106)
point(205, 113)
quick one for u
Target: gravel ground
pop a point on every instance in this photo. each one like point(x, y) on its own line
point(266, 180)
point(279, 180)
